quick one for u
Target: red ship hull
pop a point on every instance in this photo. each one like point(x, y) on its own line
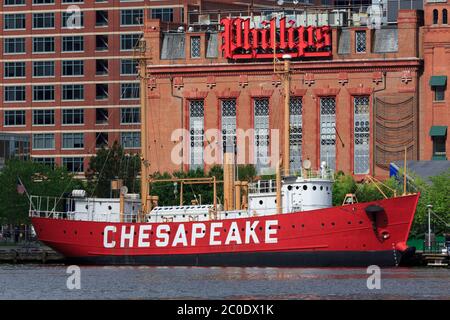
point(351, 235)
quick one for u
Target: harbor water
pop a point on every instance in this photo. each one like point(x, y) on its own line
point(51, 282)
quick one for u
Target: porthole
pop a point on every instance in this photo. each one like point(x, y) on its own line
point(314, 188)
point(261, 202)
point(86, 206)
point(360, 222)
point(64, 231)
point(109, 207)
point(224, 230)
point(297, 187)
point(349, 222)
point(321, 188)
point(303, 225)
point(90, 233)
point(76, 232)
point(305, 187)
point(242, 229)
point(293, 226)
point(289, 187)
point(260, 228)
point(333, 224)
point(323, 225)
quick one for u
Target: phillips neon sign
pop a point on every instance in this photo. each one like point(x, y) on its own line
point(240, 41)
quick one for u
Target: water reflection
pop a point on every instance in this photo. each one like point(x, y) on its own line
point(49, 282)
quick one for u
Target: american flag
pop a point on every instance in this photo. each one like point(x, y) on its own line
point(20, 187)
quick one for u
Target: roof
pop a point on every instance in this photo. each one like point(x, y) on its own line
point(438, 131)
point(438, 81)
point(425, 169)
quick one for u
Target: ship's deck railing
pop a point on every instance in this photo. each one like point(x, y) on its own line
point(63, 209)
point(269, 186)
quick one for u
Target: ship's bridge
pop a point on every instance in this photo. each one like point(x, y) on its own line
point(297, 194)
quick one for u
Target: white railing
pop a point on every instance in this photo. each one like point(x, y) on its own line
point(64, 209)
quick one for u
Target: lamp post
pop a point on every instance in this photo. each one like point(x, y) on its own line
point(429, 225)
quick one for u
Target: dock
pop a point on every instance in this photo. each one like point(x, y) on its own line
point(29, 254)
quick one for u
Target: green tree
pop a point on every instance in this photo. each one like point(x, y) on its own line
point(343, 184)
point(110, 164)
point(38, 179)
point(437, 193)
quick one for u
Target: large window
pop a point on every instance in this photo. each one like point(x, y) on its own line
point(130, 140)
point(360, 41)
point(196, 130)
point(72, 116)
point(14, 69)
point(73, 92)
point(43, 69)
point(361, 135)
point(46, 161)
point(44, 93)
point(73, 141)
point(73, 68)
point(228, 114)
point(129, 91)
point(261, 126)
point(73, 44)
point(128, 67)
point(14, 2)
point(295, 133)
point(131, 17)
point(14, 21)
point(129, 41)
point(195, 47)
point(43, 44)
point(44, 20)
point(14, 45)
point(163, 14)
point(14, 118)
point(328, 131)
point(130, 116)
point(43, 1)
point(44, 117)
point(439, 93)
point(73, 164)
point(43, 141)
point(14, 93)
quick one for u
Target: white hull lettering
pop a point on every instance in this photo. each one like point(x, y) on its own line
point(213, 234)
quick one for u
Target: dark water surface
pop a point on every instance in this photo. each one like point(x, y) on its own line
point(49, 282)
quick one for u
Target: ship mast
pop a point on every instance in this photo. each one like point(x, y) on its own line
point(144, 145)
point(286, 133)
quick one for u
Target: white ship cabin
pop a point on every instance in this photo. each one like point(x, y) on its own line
point(297, 194)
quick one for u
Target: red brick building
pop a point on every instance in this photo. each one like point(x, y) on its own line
point(356, 107)
point(67, 73)
point(435, 107)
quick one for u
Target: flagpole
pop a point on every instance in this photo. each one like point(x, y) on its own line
point(26, 192)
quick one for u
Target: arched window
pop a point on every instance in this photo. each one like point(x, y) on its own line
point(435, 16)
point(444, 17)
